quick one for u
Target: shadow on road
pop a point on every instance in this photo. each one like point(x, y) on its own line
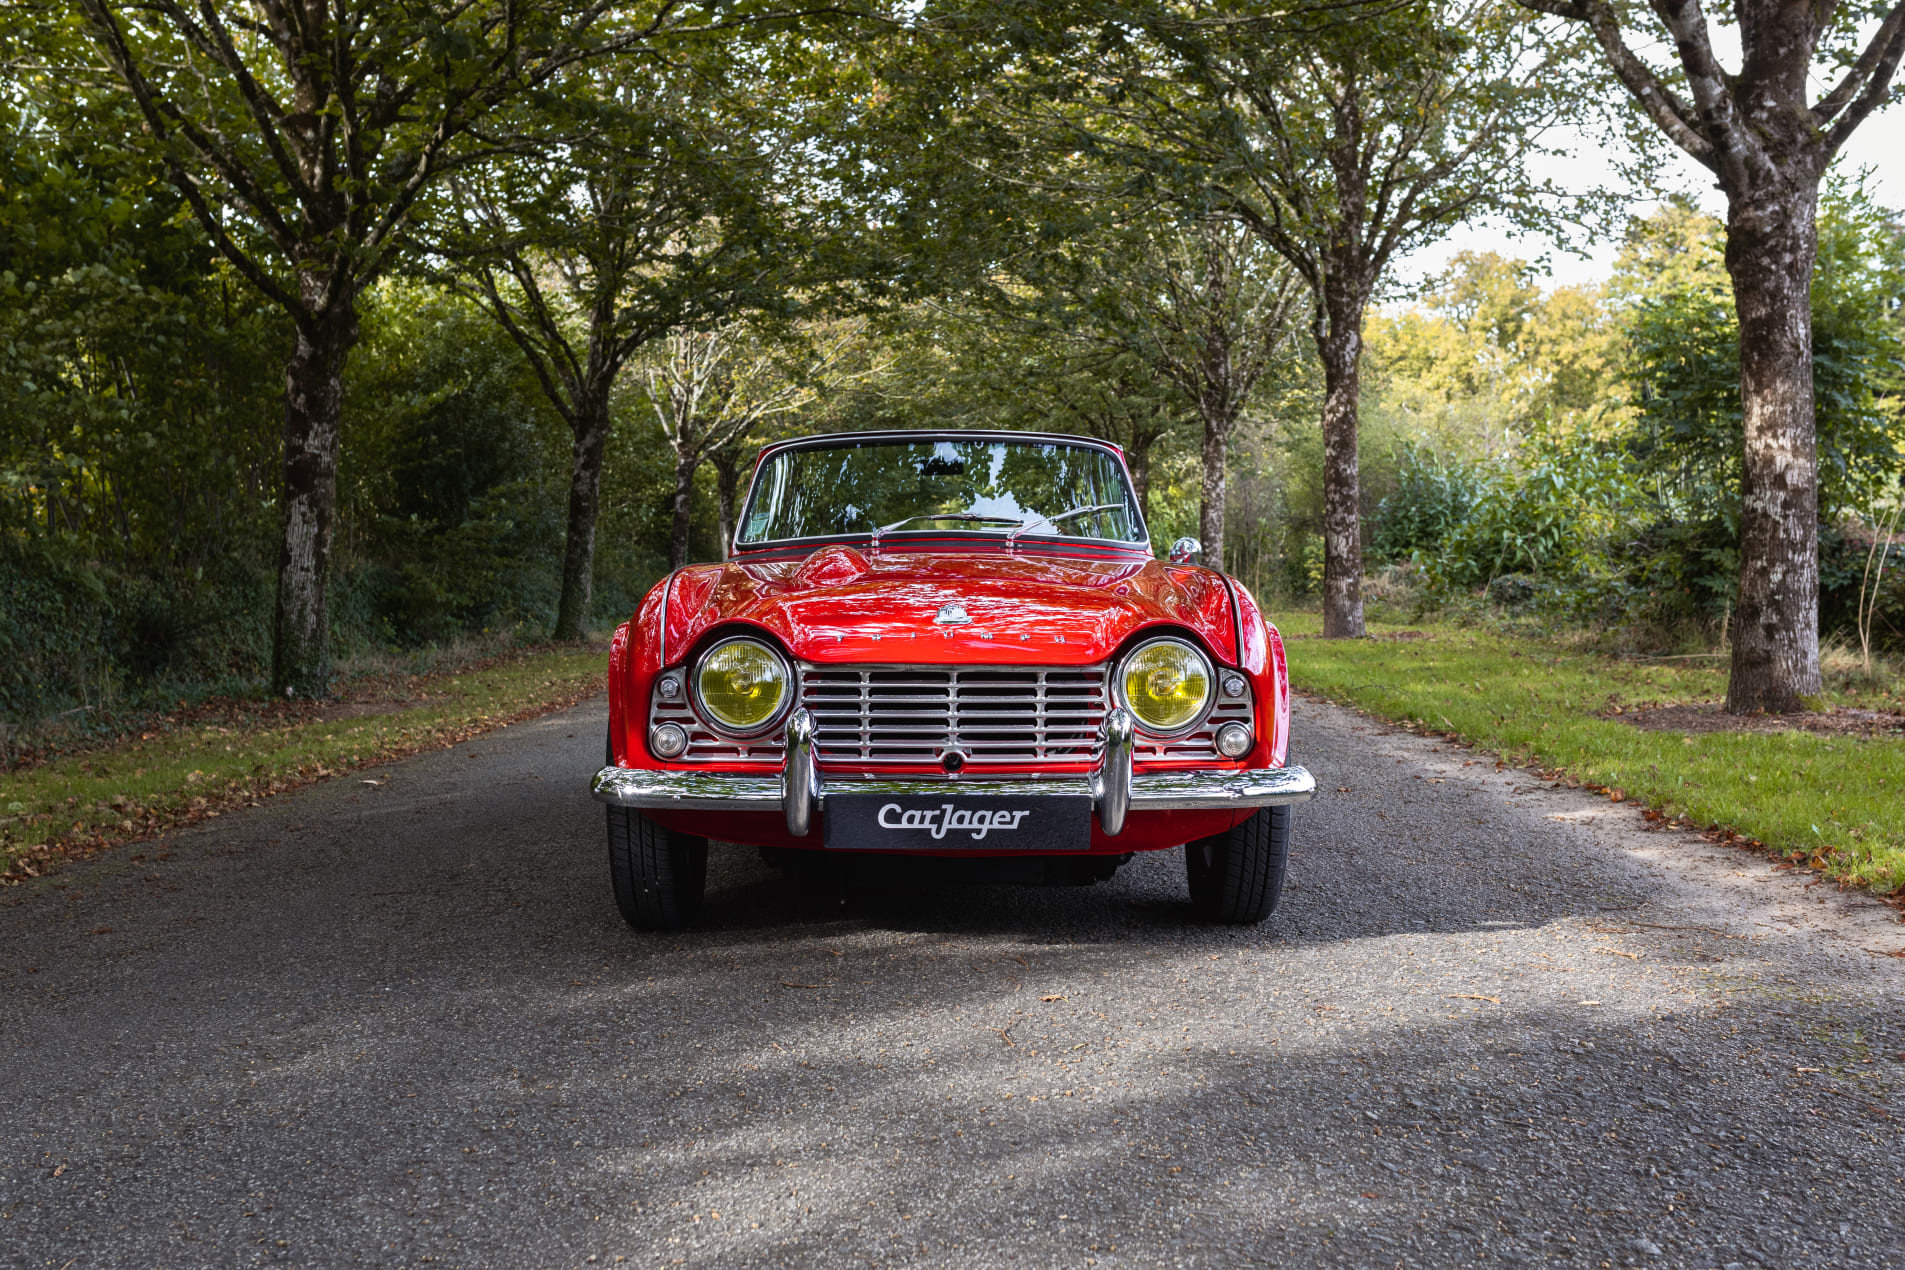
point(385, 1024)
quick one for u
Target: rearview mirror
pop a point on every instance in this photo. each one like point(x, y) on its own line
point(1186, 551)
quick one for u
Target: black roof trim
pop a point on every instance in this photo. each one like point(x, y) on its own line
point(942, 434)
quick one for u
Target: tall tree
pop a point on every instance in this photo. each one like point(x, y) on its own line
point(1200, 302)
point(639, 209)
point(713, 385)
point(728, 462)
point(1115, 394)
point(1769, 142)
point(302, 135)
point(1343, 139)
point(1220, 308)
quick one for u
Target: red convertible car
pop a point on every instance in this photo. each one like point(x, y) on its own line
point(949, 644)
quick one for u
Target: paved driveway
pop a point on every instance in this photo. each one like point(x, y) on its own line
point(397, 1024)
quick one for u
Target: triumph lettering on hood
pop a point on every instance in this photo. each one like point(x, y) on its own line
point(944, 819)
point(839, 604)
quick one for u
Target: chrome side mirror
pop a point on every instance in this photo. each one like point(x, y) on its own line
point(1186, 551)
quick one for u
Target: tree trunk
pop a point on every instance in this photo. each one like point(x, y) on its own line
point(1137, 457)
point(1339, 338)
point(1771, 243)
point(590, 439)
point(1210, 509)
point(684, 512)
point(727, 484)
point(313, 413)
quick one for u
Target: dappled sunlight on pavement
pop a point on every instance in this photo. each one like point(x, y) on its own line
point(386, 1032)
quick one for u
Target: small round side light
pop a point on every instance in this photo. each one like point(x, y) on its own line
point(1234, 685)
point(668, 740)
point(1233, 740)
point(669, 687)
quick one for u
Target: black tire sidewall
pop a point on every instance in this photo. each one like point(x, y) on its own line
point(659, 876)
point(1236, 877)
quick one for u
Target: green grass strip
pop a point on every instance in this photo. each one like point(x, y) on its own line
point(161, 779)
point(1838, 801)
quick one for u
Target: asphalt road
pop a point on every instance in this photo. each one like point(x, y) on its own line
point(401, 1023)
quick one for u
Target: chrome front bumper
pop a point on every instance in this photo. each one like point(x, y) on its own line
point(799, 792)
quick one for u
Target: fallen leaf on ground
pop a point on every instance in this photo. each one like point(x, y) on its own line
point(1052, 998)
point(1473, 996)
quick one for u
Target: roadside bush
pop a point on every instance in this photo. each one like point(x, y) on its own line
point(77, 634)
point(1559, 518)
point(1434, 494)
point(1513, 590)
point(55, 617)
point(456, 468)
point(1848, 562)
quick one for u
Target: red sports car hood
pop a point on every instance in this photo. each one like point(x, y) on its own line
point(840, 605)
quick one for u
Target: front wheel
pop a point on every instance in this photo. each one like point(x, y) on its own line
point(659, 875)
point(1236, 876)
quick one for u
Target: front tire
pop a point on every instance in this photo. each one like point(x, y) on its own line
point(1236, 876)
point(660, 876)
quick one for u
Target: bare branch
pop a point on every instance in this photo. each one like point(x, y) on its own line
point(1853, 85)
point(1878, 85)
point(1733, 145)
point(1670, 114)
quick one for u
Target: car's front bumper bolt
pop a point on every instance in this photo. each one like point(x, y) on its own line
point(667, 740)
point(1233, 740)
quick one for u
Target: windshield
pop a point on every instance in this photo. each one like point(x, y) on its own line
point(898, 486)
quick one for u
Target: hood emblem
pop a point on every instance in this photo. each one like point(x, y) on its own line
point(953, 614)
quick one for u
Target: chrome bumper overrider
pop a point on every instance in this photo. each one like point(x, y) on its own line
point(798, 792)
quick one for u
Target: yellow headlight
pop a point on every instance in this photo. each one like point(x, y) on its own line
point(742, 686)
point(1165, 685)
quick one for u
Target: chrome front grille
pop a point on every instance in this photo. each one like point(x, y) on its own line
point(992, 714)
point(995, 715)
point(1201, 741)
point(704, 745)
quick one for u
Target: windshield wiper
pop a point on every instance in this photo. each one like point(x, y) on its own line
point(1036, 519)
point(966, 516)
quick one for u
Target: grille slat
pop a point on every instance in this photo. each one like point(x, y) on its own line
point(994, 714)
point(872, 715)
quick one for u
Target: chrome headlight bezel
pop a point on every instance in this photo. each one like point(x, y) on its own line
point(712, 720)
point(1197, 720)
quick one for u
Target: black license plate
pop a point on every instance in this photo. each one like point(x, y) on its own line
point(950, 822)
